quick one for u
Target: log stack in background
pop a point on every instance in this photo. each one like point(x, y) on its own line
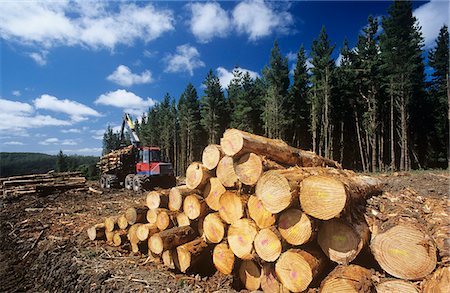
point(283, 219)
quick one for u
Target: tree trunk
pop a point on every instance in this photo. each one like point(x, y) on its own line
point(351, 278)
point(177, 195)
point(232, 206)
point(119, 238)
point(190, 253)
point(267, 244)
point(212, 192)
point(226, 173)
point(110, 224)
point(241, 235)
point(269, 280)
point(122, 222)
point(136, 215)
point(250, 167)
point(145, 230)
point(211, 156)
point(258, 213)
point(398, 286)
point(223, 258)
point(392, 128)
point(97, 232)
point(194, 206)
point(171, 238)
point(167, 258)
point(250, 275)
point(358, 133)
point(165, 219)
point(296, 227)
point(213, 228)
point(157, 199)
point(197, 176)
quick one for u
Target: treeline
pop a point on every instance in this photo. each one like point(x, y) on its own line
point(374, 111)
point(12, 164)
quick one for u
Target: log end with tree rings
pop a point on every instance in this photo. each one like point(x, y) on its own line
point(393, 286)
point(250, 275)
point(110, 223)
point(213, 228)
point(176, 196)
point(269, 280)
point(249, 168)
point(96, 232)
point(295, 226)
point(341, 241)
point(241, 235)
point(190, 253)
point(183, 220)
point(155, 200)
point(225, 172)
point(163, 220)
point(351, 278)
point(274, 192)
point(231, 142)
point(167, 258)
point(152, 216)
point(211, 156)
point(231, 207)
point(405, 252)
point(119, 237)
point(212, 192)
point(194, 206)
point(258, 213)
point(145, 230)
point(223, 258)
point(196, 176)
point(122, 222)
point(267, 244)
point(155, 244)
point(322, 197)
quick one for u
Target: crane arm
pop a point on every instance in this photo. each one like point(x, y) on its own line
point(135, 141)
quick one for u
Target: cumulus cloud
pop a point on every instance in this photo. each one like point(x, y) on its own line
point(15, 107)
point(57, 141)
point(209, 20)
point(292, 57)
point(432, 16)
point(85, 151)
point(86, 23)
point(71, 130)
point(225, 76)
point(124, 77)
point(259, 19)
point(13, 143)
point(186, 59)
point(128, 101)
point(39, 57)
point(76, 110)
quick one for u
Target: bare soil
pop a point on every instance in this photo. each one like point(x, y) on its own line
point(44, 245)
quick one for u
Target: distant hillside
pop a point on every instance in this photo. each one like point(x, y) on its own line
point(12, 164)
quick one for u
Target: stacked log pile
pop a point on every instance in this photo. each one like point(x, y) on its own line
point(121, 159)
point(283, 219)
point(41, 184)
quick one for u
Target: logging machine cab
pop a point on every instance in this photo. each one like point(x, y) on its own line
point(149, 162)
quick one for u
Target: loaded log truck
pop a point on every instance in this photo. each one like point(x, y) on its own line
point(135, 167)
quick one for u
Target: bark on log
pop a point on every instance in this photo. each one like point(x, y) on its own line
point(214, 228)
point(232, 206)
point(250, 167)
point(258, 213)
point(212, 192)
point(326, 197)
point(394, 286)
point(403, 249)
point(223, 258)
point(437, 282)
point(211, 156)
point(226, 174)
point(296, 268)
point(194, 206)
point(197, 176)
point(296, 227)
point(171, 238)
point(157, 199)
point(136, 215)
point(236, 142)
point(269, 280)
point(122, 222)
point(250, 275)
point(241, 235)
point(177, 195)
point(96, 232)
point(343, 239)
point(110, 224)
point(351, 279)
point(267, 244)
point(190, 253)
point(146, 230)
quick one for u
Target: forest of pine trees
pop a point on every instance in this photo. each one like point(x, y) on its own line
point(374, 111)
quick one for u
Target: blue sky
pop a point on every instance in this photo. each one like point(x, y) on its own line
point(70, 68)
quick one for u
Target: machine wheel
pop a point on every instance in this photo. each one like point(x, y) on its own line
point(129, 181)
point(108, 182)
point(137, 183)
point(102, 182)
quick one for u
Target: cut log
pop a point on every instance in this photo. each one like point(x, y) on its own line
point(136, 215)
point(190, 253)
point(171, 238)
point(122, 222)
point(197, 176)
point(146, 230)
point(194, 206)
point(296, 227)
point(342, 240)
point(296, 268)
point(223, 258)
point(96, 232)
point(241, 235)
point(132, 235)
point(268, 244)
point(213, 228)
point(212, 192)
point(269, 281)
point(226, 174)
point(403, 249)
point(177, 195)
point(236, 142)
point(157, 199)
point(232, 206)
point(109, 236)
point(110, 224)
point(437, 282)
point(120, 237)
point(167, 257)
point(152, 216)
point(394, 286)
point(250, 167)
point(258, 213)
point(351, 279)
point(165, 219)
point(211, 156)
point(183, 220)
point(250, 275)
point(326, 197)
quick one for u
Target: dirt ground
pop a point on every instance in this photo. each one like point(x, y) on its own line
point(44, 245)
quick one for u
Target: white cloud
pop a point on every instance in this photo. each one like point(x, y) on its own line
point(86, 23)
point(76, 110)
point(85, 151)
point(98, 134)
point(128, 101)
point(209, 20)
point(225, 76)
point(13, 143)
point(338, 60)
point(124, 77)
point(14, 107)
point(186, 59)
point(258, 19)
point(292, 57)
point(57, 141)
point(39, 57)
point(71, 130)
point(16, 93)
point(432, 16)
